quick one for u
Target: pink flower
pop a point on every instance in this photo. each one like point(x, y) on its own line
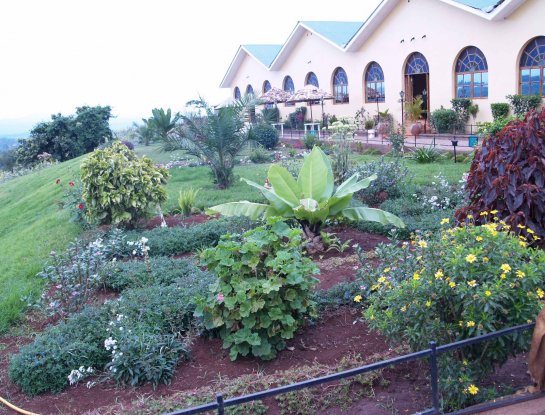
point(71, 184)
point(57, 181)
point(81, 206)
point(220, 297)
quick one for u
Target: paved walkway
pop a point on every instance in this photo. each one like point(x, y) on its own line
point(534, 407)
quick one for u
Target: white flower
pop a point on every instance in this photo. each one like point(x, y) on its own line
point(109, 343)
point(144, 240)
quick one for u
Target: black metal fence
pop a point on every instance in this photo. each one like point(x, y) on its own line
point(432, 352)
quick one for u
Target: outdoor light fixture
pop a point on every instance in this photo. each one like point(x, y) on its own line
point(425, 96)
point(402, 100)
point(454, 144)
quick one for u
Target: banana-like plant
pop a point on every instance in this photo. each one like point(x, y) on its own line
point(311, 199)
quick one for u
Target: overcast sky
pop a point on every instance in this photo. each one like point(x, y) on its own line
point(134, 55)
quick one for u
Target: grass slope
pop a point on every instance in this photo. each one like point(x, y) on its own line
point(31, 226)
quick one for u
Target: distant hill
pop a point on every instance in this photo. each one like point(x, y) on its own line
point(7, 142)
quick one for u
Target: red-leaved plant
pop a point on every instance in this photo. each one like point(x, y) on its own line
point(507, 178)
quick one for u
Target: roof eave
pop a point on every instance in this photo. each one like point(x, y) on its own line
point(235, 63)
point(501, 12)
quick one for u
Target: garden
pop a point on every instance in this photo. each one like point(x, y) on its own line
point(214, 258)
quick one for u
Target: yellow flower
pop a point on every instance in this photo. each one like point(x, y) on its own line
point(422, 244)
point(540, 293)
point(503, 276)
point(386, 270)
point(419, 257)
point(358, 298)
point(372, 317)
point(382, 279)
point(452, 284)
point(470, 216)
point(523, 244)
point(416, 276)
point(487, 293)
point(485, 213)
point(472, 389)
point(445, 221)
point(479, 238)
point(536, 238)
point(520, 274)
point(428, 303)
point(485, 259)
point(375, 287)
point(470, 323)
point(465, 362)
point(505, 268)
point(521, 226)
point(471, 258)
point(461, 323)
point(494, 211)
point(404, 308)
point(439, 274)
point(530, 231)
point(472, 283)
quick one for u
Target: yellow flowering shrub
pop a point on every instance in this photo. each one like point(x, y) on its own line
point(463, 282)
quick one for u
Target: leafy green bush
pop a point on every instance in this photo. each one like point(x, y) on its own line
point(454, 285)
point(266, 135)
point(444, 120)
point(45, 364)
point(490, 129)
point(499, 110)
point(262, 294)
point(119, 187)
point(341, 162)
point(425, 155)
point(120, 275)
point(270, 115)
point(392, 176)
point(179, 240)
point(522, 104)
point(141, 355)
point(461, 107)
point(258, 154)
point(310, 140)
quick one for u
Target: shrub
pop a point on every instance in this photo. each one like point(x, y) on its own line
point(340, 161)
point(270, 115)
point(120, 275)
point(392, 175)
point(118, 187)
point(45, 364)
point(486, 129)
point(141, 355)
point(186, 200)
point(73, 202)
point(499, 110)
point(425, 155)
point(258, 154)
point(369, 124)
point(458, 284)
point(128, 144)
point(310, 140)
point(262, 294)
point(508, 176)
point(266, 135)
point(522, 104)
point(179, 240)
point(444, 120)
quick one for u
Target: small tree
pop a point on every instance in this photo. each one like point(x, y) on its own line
point(508, 176)
point(217, 138)
point(119, 187)
point(162, 123)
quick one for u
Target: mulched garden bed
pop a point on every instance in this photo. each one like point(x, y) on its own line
point(336, 335)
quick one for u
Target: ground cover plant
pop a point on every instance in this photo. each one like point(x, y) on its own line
point(507, 176)
point(452, 285)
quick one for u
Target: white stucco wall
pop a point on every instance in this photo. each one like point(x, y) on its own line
point(448, 30)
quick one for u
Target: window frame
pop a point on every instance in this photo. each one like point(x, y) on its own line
point(367, 83)
point(340, 91)
point(473, 85)
point(541, 68)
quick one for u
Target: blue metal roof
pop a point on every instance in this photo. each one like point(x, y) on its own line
point(484, 5)
point(264, 53)
point(339, 33)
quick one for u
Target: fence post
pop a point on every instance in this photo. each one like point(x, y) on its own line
point(434, 378)
point(434, 141)
point(219, 400)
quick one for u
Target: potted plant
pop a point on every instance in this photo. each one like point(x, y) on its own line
point(414, 113)
point(369, 126)
point(384, 122)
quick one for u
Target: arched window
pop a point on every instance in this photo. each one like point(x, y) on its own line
point(312, 79)
point(249, 90)
point(471, 74)
point(340, 86)
point(417, 64)
point(288, 86)
point(266, 86)
point(237, 93)
point(532, 67)
point(374, 83)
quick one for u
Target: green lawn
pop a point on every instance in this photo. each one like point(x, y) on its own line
point(31, 226)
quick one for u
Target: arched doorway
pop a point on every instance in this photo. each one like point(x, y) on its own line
point(417, 80)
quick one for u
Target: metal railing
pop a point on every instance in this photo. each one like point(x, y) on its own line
point(432, 352)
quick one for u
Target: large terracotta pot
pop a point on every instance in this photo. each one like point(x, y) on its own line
point(416, 128)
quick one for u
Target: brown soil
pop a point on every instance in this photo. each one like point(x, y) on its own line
point(175, 220)
point(333, 337)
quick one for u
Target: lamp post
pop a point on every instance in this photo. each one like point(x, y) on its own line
point(425, 96)
point(402, 100)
